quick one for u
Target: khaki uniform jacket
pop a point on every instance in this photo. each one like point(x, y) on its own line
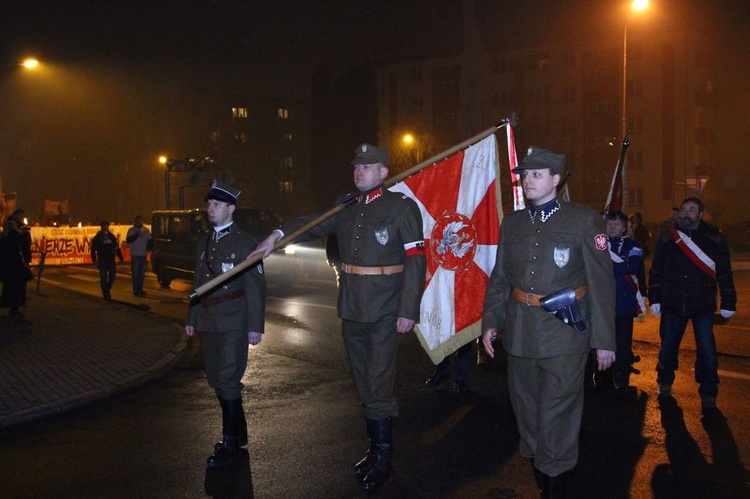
point(526, 261)
point(245, 312)
point(373, 234)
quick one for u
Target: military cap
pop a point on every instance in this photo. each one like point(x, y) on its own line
point(539, 159)
point(222, 192)
point(367, 154)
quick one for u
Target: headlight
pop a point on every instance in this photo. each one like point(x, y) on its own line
point(290, 250)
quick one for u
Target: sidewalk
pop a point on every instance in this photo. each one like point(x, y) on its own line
point(70, 349)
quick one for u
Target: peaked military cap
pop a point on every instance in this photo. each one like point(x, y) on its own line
point(539, 159)
point(367, 154)
point(222, 192)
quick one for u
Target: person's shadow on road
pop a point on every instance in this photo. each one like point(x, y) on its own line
point(688, 473)
point(233, 481)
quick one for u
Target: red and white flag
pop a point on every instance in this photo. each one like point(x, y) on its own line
point(515, 179)
point(616, 196)
point(461, 215)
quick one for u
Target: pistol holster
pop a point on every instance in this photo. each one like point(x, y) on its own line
point(564, 306)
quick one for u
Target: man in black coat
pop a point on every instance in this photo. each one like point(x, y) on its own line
point(104, 248)
point(691, 261)
point(15, 256)
point(229, 317)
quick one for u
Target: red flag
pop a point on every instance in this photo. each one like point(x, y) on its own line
point(459, 204)
point(615, 200)
point(515, 179)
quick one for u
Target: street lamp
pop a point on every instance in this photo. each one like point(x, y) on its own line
point(30, 63)
point(163, 161)
point(638, 6)
point(412, 142)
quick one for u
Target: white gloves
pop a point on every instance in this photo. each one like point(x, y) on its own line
point(656, 309)
point(727, 313)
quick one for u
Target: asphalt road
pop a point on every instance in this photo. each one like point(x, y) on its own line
point(306, 429)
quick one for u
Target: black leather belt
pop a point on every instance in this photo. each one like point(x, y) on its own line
point(213, 300)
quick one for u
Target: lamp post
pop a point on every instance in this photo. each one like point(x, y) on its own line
point(639, 6)
point(164, 161)
point(414, 143)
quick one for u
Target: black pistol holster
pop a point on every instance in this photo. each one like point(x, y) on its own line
point(564, 306)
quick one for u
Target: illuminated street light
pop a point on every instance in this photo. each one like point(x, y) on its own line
point(413, 143)
point(30, 63)
point(638, 6)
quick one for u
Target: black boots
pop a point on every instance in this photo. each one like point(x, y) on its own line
point(380, 462)
point(364, 466)
point(552, 487)
point(234, 431)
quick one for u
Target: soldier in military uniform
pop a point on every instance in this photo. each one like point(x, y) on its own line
point(552, 246)
point(382, 278)
point(229, 317)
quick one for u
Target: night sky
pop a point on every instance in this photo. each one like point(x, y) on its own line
point(115, 56)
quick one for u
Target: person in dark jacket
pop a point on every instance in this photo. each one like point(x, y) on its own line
point(14, 262)
point(691, 261)
point(104, 248)
point(382, 278)
point(627, 261)
point(228, 318)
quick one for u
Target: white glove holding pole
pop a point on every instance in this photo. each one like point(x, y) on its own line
point(727, 313)
point(656, 309)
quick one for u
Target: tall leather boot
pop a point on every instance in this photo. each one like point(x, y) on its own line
point(228, 450)
point(558, 485)
point(364, 466)
point(382, 467)
point(553, 487)
point(241, 423)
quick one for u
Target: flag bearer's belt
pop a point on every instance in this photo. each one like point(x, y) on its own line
point(533, 300)
point(213, 300)
point(356, 269)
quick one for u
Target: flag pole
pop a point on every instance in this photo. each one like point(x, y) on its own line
point(617, 179)
point(288, 238)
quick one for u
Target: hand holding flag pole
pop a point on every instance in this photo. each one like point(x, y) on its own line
point(288, 238)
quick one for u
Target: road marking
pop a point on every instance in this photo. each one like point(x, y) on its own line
point(83, 278)
point(732, 374)
point(303, 303)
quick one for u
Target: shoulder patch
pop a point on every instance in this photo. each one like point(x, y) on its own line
point(601, 241)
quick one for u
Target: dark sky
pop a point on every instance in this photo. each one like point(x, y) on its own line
point(248, 44)
point(271, 45)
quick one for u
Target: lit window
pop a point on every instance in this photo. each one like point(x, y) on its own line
point(283, 114)
point(239, 112)
point(286, 186)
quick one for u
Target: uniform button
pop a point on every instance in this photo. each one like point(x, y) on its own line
point(356, 237)
point(533, 257)
point(536, 244)
point(531, 288)
point(538, 231)
point(360, 225)
point(532, 272)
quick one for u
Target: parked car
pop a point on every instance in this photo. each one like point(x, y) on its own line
point(176, 234)
point(738, 236)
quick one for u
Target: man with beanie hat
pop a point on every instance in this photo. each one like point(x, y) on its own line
point(551, 297)
point(229, 317)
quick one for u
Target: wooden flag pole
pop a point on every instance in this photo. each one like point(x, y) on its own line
point(288, 238)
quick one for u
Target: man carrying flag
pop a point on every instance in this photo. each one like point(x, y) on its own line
point(551, 295)
point(380, 241)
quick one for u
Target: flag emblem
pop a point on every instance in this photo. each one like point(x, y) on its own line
point(454, 241)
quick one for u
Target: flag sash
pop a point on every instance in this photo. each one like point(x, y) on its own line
point(694, 253)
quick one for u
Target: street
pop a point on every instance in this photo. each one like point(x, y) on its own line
point(307, 431)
